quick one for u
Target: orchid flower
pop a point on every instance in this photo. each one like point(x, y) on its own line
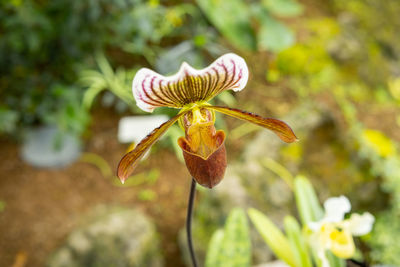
point(335, 233)
point(189, 90)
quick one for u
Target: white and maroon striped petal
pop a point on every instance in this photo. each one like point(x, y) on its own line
point(189, 85)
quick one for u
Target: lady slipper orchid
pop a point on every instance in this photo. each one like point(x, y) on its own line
point(335, 233)
point(189, 90)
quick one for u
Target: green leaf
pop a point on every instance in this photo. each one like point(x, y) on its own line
point(274, 238)
point(232, 19)
point(91, 93)
point(316, 208)
point(306, 200)
point(283, 8)
point(236, 246)
point(8, 120)
point(232, 247)
point(297, 242)
point(214, 248)
point(273, 35)
point(106, 79)
point(147, 195)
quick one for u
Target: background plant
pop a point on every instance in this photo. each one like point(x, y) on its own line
point(40, 49)
point(234, 20)
point(231, 245)
point(296, 247)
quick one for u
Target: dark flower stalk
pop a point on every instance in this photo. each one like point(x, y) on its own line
point(189, 217)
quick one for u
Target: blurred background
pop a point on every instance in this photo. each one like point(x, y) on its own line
point(331, 69)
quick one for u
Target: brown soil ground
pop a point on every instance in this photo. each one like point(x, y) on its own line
point(43, 206)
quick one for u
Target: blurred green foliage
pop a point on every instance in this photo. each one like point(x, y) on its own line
point(384, 244)
point(236, 19)
point(2, 205)
point(106, 79)
point(147, 195)
point(355, 59)
point(45, 46)
point(382, 154)
point(295, 247)
point(232, 19)
point(369, 41)
point(273, 236)
point(231, 246)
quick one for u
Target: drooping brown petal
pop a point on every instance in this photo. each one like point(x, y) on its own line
point(189, 85)
point(131, 159)
point(280, 128)
point(208, 171)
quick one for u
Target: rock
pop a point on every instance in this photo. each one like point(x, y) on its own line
point(111, 237)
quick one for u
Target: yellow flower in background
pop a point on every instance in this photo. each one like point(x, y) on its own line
point(154, 3)
point(335, 233)
point(394, 88)
point(174, 18)
point(381, 144)
point(190, 90)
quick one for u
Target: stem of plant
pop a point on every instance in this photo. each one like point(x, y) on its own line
point(359, 263)
point(189, 222)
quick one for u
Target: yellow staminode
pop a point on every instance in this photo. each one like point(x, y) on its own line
point(342, 243)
